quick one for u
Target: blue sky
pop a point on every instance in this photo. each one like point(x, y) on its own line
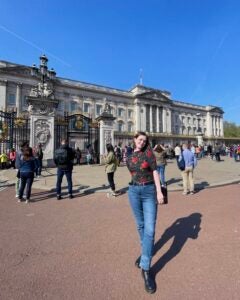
point(188, 47)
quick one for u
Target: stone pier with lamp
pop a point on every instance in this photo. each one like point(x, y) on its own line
point(106, 122)
point(41, 107)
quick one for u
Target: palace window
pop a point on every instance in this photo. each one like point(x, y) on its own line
point(130, 113)
point(120, 126)
point(24, 101)
point(120, 112)
point(73, 106)
point(61, 106)
point(130, 127)
point(86, 107)
point(11, 99)
point(98, 109)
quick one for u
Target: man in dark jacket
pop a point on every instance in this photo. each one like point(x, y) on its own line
point(63, 158)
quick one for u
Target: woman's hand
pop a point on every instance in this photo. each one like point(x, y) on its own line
point(160, 198)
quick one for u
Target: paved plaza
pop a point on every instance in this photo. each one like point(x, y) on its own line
point(92, 178)
point(85, 248)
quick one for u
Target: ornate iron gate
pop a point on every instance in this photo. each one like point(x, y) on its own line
point(83, 132)
point(60, 130)
point(13, 130)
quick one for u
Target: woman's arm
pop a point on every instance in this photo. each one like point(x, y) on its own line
point(158, 187)
point(109, 158)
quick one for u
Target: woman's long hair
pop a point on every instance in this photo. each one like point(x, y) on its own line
point(109, 148)
point(136, 135)
point(159, 149)
point(27, 153)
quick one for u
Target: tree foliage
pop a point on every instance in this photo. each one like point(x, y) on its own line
point(231, 129)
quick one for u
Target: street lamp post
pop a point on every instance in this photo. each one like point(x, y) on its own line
point(42, 70)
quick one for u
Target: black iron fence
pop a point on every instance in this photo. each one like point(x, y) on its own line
point(77, 128)
point(13, 130)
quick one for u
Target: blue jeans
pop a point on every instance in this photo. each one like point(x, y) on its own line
point(161, 172)
point(26, 180)
point(60, 174)
point(144, 206)
point(39, 167)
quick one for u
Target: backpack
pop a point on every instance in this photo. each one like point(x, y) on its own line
point(61, 157)
point(181, 163)
point(118, 151)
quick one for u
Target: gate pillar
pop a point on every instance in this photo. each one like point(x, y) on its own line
point(106, 134)
point(42, 117)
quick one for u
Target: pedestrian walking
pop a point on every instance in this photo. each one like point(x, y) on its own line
point(19, 156)
point(217, 152)
point(111, 167)
point(187, 174)
point(27, 167)
point(39, 158)
point(177, 151)
point(118, 154)
point(12, 157)
point(144, 193)
point(161, 158)
point(63, 158)
point(78, 155)
point(3, 160)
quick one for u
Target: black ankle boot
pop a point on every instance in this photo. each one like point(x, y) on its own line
point(150, 285)
point(137, 263)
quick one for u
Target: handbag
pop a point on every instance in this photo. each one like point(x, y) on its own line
point(165, 194)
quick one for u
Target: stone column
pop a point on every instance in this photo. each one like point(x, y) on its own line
point(158, 128)
point(164, 120)
point(221, 126)
point(169, 121)
point(18, 99)
point(138, 116)
point(143, 118)
point(3, 94)
point(214, 125)
point(209, 124)
point(151, 119)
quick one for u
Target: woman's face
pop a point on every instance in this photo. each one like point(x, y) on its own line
point(140, 142)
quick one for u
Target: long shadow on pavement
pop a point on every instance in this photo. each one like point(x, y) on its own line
point(51, 194)
point(173, 180)
point(200, 186)
point(181, 230)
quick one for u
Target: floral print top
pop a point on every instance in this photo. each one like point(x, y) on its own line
point(141, 165)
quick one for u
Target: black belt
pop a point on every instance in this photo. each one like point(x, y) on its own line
point(141, 183)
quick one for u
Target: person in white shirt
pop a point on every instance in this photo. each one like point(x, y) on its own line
point(177, 151)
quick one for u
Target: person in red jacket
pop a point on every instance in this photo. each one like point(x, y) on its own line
point(12, 157)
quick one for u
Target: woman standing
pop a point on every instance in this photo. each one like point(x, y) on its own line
point(111, 166)
point(12, 157)
point(78, 155)
point(144, 193)
point(161, 157)
point(27, 167)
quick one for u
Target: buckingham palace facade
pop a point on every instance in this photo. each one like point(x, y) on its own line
point(139, 109)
